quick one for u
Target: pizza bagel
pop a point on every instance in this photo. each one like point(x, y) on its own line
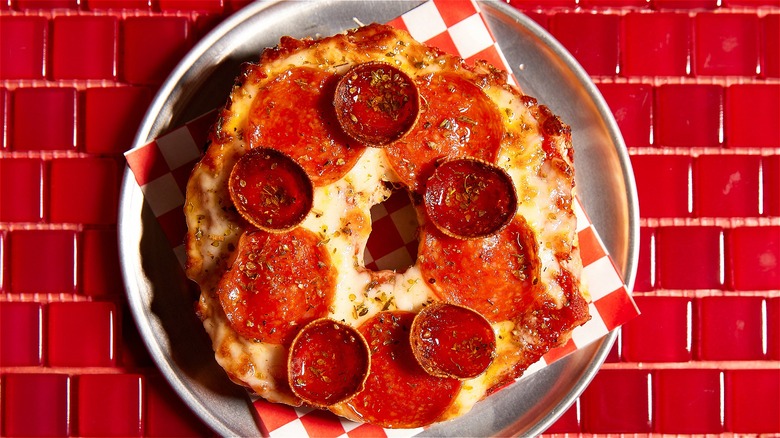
point(313, 135)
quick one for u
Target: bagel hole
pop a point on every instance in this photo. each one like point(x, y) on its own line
point(392, 244)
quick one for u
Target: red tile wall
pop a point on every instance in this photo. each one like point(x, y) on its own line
point(618, 401)
point(688, 115)
point(117, 412)
point(84, 47)
point(751, 400)
point(21, 334)
point(152, 46)
point(694, 86)
point(662, 333)
point(23, 38)
point(726, 44)
point(36, 404)
point(687, 401)
point(696, 95)
point(656, 44)
point(579, 33)
point(751, 116)
point(71, 360)
point(727, 186)
point(56, 107)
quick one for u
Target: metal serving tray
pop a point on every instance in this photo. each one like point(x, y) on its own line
point(161, 298)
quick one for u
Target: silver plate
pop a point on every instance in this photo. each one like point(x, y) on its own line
point(161, 298)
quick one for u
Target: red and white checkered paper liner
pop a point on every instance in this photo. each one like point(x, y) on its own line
point(162, 168)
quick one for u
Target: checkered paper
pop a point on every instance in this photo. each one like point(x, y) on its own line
point(162, 167)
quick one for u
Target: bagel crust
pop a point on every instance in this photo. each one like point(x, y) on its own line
point(259, 288)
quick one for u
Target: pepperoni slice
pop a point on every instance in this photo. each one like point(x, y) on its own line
point(398, 392)
point(376, 103)
point(467, 198)
point(457, 119)
point(495, 276)
point(328, 362)
point(452, 341)
point(294, 114)
point(270, 190)
point(278, 283)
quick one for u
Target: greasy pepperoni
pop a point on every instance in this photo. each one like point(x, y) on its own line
point(328, 362)
point(456, 119)
point(270, 190)
point(398, 392)
point(278, 283)
point(376, 103)
point(294, 114)
point(452, 341)
point(468, 198)
point(494, 276)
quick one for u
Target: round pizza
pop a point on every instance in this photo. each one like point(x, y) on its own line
point(314, 134)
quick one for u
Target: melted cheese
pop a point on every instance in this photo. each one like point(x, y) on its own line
point(341, 217)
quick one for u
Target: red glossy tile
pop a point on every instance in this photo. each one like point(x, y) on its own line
point(116, 412)
point(773, 328)
point(153, 46)
point(662, 333)
point(752, 112)
point(204, 6)
point(662, 185)
point(84, 47)
point(731, 328)
point(20, 334)
point(5, 114)
point(638, 4)
point(581, 32)
point(523, 4)
point(726, 44)
point(112, 116)
point(689, 257)
point(615, 352)
point(727, 185)
point(166, 415)
point(84, 190)
point(4, 286)
point(688, 401)
point(47, 4)
point(57, 106)
point(656, 44)
point(771, 38)
point(645, 275)
point(101, 275)
point(142, 5)
point(36, 405)
point(632, 106)
point(568, 422)
point(753, 3)
point(81, 334)
point(684, 4)
point(753, 401)
point(205, 23)
point(132, 348)
point(21, 182)
point(753, 258)
point(688, 115)
point(617, 401)
point(770, 170)
point(42, 261)
point(23, 39)
point(234, 5)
